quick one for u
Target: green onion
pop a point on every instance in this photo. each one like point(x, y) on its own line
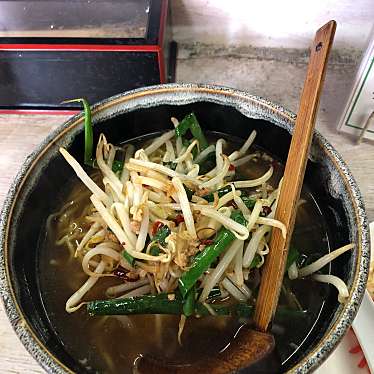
point(189, 122)
point(88, 132)
point(171, 165)
point(128, 257)
point(221, 192)
point(293, 255)
point(256, 260)
point(189, 302)
point(117, 166)
point(186, 143)
point(240, 310)
point(164, 303)
point(208, 163)
point(248, 201)
point(204, 259)
point(214, 293)
point(189, 192)
point(148, 304)
point(171, 303)
point(154, 251)
point(285, 314)
point(162, 233)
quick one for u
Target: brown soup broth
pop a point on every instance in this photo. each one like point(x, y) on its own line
point(111, 344)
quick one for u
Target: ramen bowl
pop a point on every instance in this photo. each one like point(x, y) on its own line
point(32, 197)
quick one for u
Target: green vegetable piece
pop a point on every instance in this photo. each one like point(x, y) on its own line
point(198, 134)
point(240, 310)
point(128, 257)
point(221, 192)
point(211, 157)
point(293, 255)
point(214, 293)
point(248, 201)
point(171, 165)
point(202, 261)
point(256, 260)
point(164, 303)
point(154, 251)
point(148, 304)
point(189, 302)
point(238, 217)
point(183, 126)
point(172, 304)
point(162, 233)
point(117, 166)
point(285, 314)
point(88, 132)
point(189, 192)
point(244, 310)
point(186, 143)
point(189, 122)
point(208, 163)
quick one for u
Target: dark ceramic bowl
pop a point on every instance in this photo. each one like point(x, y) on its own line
point(145, 111)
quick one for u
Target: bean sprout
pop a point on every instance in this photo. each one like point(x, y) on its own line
point(321, 262)
point(335, 281)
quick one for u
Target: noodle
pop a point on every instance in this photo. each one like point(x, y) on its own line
point(125, 172)
point(244, 160)
point(124, 218)
point(238, 266)
point(254, 215)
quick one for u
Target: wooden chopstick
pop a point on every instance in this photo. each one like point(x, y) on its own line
point(272, 275)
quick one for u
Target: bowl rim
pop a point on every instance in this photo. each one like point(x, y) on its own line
point(194, 93)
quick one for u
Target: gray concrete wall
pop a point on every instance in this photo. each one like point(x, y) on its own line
point(271, 23)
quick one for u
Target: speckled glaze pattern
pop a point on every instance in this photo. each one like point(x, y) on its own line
point(342, 185)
